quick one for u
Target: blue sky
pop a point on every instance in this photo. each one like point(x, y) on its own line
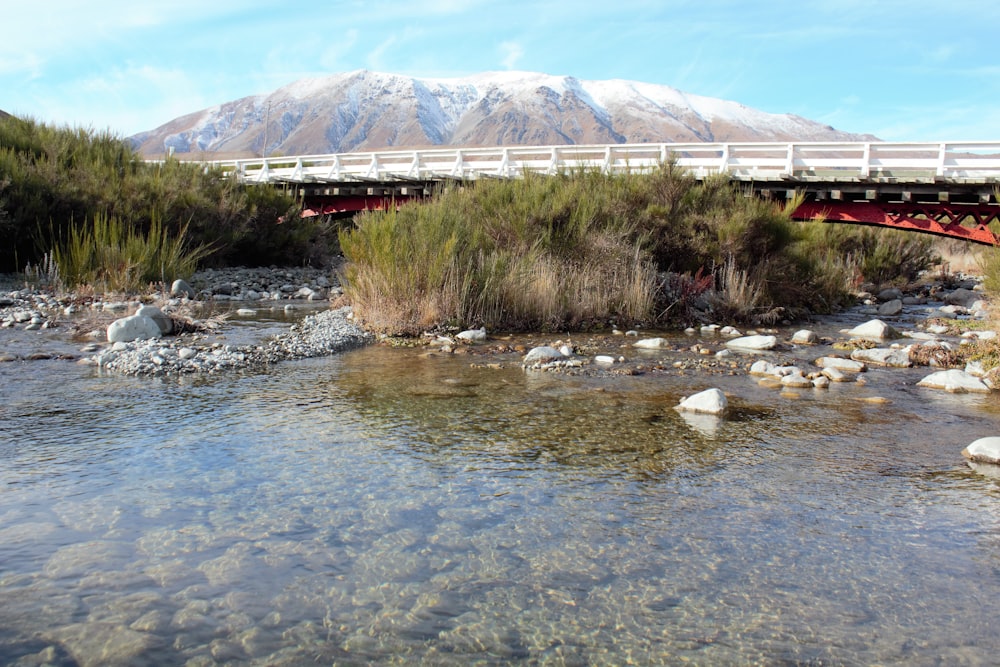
point(904, 70)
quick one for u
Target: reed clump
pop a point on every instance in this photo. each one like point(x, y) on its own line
point(589, 249)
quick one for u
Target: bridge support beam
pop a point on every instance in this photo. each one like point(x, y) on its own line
point(963, 221)
point(338, 205)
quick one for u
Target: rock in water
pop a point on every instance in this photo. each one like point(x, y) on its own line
point(134, 327)
point(841, 364)
point(955, 381)
point(984, 450)
point(753, 343)
point(473, 335)
point(543, 353)
point(805, 337)
point(651, 343)
point(710, 401)
point(891, 308)
point(884, 356)
point(874, 329)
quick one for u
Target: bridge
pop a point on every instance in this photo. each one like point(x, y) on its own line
point(946, 189)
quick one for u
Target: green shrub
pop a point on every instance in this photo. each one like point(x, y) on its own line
point(50, 177)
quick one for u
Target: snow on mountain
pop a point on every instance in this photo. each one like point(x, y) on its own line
point(365, 110)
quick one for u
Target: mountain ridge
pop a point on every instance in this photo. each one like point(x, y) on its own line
point(363, 110)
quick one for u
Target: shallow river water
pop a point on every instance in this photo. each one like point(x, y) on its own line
point(385, 506)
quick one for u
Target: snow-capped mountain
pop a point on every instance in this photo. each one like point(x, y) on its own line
point(365, 110)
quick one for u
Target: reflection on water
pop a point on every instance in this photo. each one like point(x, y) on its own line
point(385, 506)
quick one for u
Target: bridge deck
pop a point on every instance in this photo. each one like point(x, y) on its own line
point(938, 188)
point(969, 163)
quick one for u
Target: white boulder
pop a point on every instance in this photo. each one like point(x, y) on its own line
point(874, 329)
point(133, 327)
point(796, 380)
point(753, 342)
point(841, 364)
point(710, 401)
point(763, 368)
point(650, 343)
point(542, 353)
point(984, 450)
point(472, 335)
point(884, 356)
point(805, 337)
point(954, 381)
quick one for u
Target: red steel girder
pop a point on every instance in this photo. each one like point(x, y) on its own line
point(327, 205)
point(941, 219)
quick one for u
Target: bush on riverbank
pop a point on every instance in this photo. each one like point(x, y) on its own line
point(583, 249)
point(53, 180)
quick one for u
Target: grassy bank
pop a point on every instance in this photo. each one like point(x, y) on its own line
point(68, 192)
point(590, 249)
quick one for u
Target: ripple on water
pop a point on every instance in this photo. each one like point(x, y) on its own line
point(385, 505)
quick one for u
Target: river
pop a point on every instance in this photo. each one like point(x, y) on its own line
point(388, 506)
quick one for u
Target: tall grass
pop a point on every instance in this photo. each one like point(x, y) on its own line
point(108, 255)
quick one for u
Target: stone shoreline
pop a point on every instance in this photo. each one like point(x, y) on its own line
point(331, 331)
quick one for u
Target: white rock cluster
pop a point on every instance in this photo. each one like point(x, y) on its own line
point(322, 334)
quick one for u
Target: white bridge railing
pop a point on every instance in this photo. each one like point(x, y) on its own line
point(959, 162)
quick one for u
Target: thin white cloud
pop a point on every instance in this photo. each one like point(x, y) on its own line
point(512, 54)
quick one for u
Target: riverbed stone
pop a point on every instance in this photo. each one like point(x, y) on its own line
point(962, 297)
point(884, 356)
point(133, 327)
point(651, 343)
point(955, 381)
point(165, 324)
point(874, 329)
point(762, 367)
point(710, 401)
point(984, 450)
point(890, 294)
point(104, 644)
point(180, 288)
point(841, 364)
point(796, 380)
point(753, 343)
point(805, 337)
point(472, 335)
point(542, 353)
point(890, 308)
point(835, 375)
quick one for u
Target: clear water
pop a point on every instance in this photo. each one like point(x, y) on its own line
point(385, 506)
